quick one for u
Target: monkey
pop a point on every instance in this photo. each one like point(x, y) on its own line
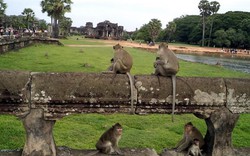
point(190, 133)
point(167, 64)
point(108, 142)
point(194, 149)
point(122, 63)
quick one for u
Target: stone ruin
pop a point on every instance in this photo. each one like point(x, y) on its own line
point(103, 30)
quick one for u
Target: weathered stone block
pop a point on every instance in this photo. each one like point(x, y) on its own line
point(64, 93)
point(238, 95)
point(14, 92)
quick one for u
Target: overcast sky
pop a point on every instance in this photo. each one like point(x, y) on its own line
point(131, 14)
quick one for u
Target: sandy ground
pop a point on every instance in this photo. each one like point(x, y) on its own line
point(175, 48)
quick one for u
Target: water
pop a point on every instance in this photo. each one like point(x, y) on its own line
point(236, 64)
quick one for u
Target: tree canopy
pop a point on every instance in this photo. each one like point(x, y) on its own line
point(56, 10)
point(29, 16)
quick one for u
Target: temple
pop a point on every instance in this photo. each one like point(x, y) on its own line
point(103, 30)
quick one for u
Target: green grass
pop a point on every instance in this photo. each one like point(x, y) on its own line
point(72, 59)
point(83, 130)
point(80, 40)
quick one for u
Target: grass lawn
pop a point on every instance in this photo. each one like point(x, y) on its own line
point(81, 131)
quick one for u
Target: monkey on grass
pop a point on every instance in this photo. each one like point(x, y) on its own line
point(122, 63)
point(108, 142)
point(190, 133)
point(167, 64)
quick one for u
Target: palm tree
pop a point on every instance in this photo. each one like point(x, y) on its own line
point(65, 24)
point(171, 28)
point(204, 7)
point(56, 10)
point(154, 28)
point(29, 16)
point(214, 8)
point(3, 7)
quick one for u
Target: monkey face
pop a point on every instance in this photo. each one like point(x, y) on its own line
point(119, 131)
point(196, 142)
point(188, 128)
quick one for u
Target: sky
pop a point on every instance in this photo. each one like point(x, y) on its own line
point(131, 14)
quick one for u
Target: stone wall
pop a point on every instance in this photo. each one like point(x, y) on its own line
point(42, 98)
point(16, 44)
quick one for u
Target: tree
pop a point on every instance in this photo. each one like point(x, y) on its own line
point(42, 25)
point(29, 16)
point(56, 10)
point(236, 37)
point(204, 7)
point(65, 24)
point(142, 33)
point(170, 29)
point(187, 26)
point(16, 22)
point(154, 28)
point(221, 38)
point(214, 8)
point(3, 7)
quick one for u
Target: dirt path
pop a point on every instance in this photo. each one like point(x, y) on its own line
point(176, 48)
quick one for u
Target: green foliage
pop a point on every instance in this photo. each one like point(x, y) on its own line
point(42, 25)
point(185, 27)
point(65, 24)
point(154, 28)
point(167, 33)
point(56, 10)
point(142, 34)
point(189, 29)
point(221, 39)
point(3, 7)
point(29, 16)
point(16, 21)
point(148, 32)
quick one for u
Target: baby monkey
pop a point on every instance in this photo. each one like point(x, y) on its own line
point(194, 149)
point(167, 64)
point(108, 142)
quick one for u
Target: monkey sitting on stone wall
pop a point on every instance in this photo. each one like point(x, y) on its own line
point(122, 63)
point(167, 64)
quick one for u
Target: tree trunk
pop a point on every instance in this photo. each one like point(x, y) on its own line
point(55, 31)
point(203, 30)
point(210, 33)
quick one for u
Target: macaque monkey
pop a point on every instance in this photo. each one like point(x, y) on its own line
point(108, 142)
point(122, 63)
point(190, 133)
point(166, 64)
point(194, 149)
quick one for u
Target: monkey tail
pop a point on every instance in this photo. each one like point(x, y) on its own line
point(174, 94)
point(131, 92)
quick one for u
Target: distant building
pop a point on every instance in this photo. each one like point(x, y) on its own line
point(74, 30)
point(103, 30)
